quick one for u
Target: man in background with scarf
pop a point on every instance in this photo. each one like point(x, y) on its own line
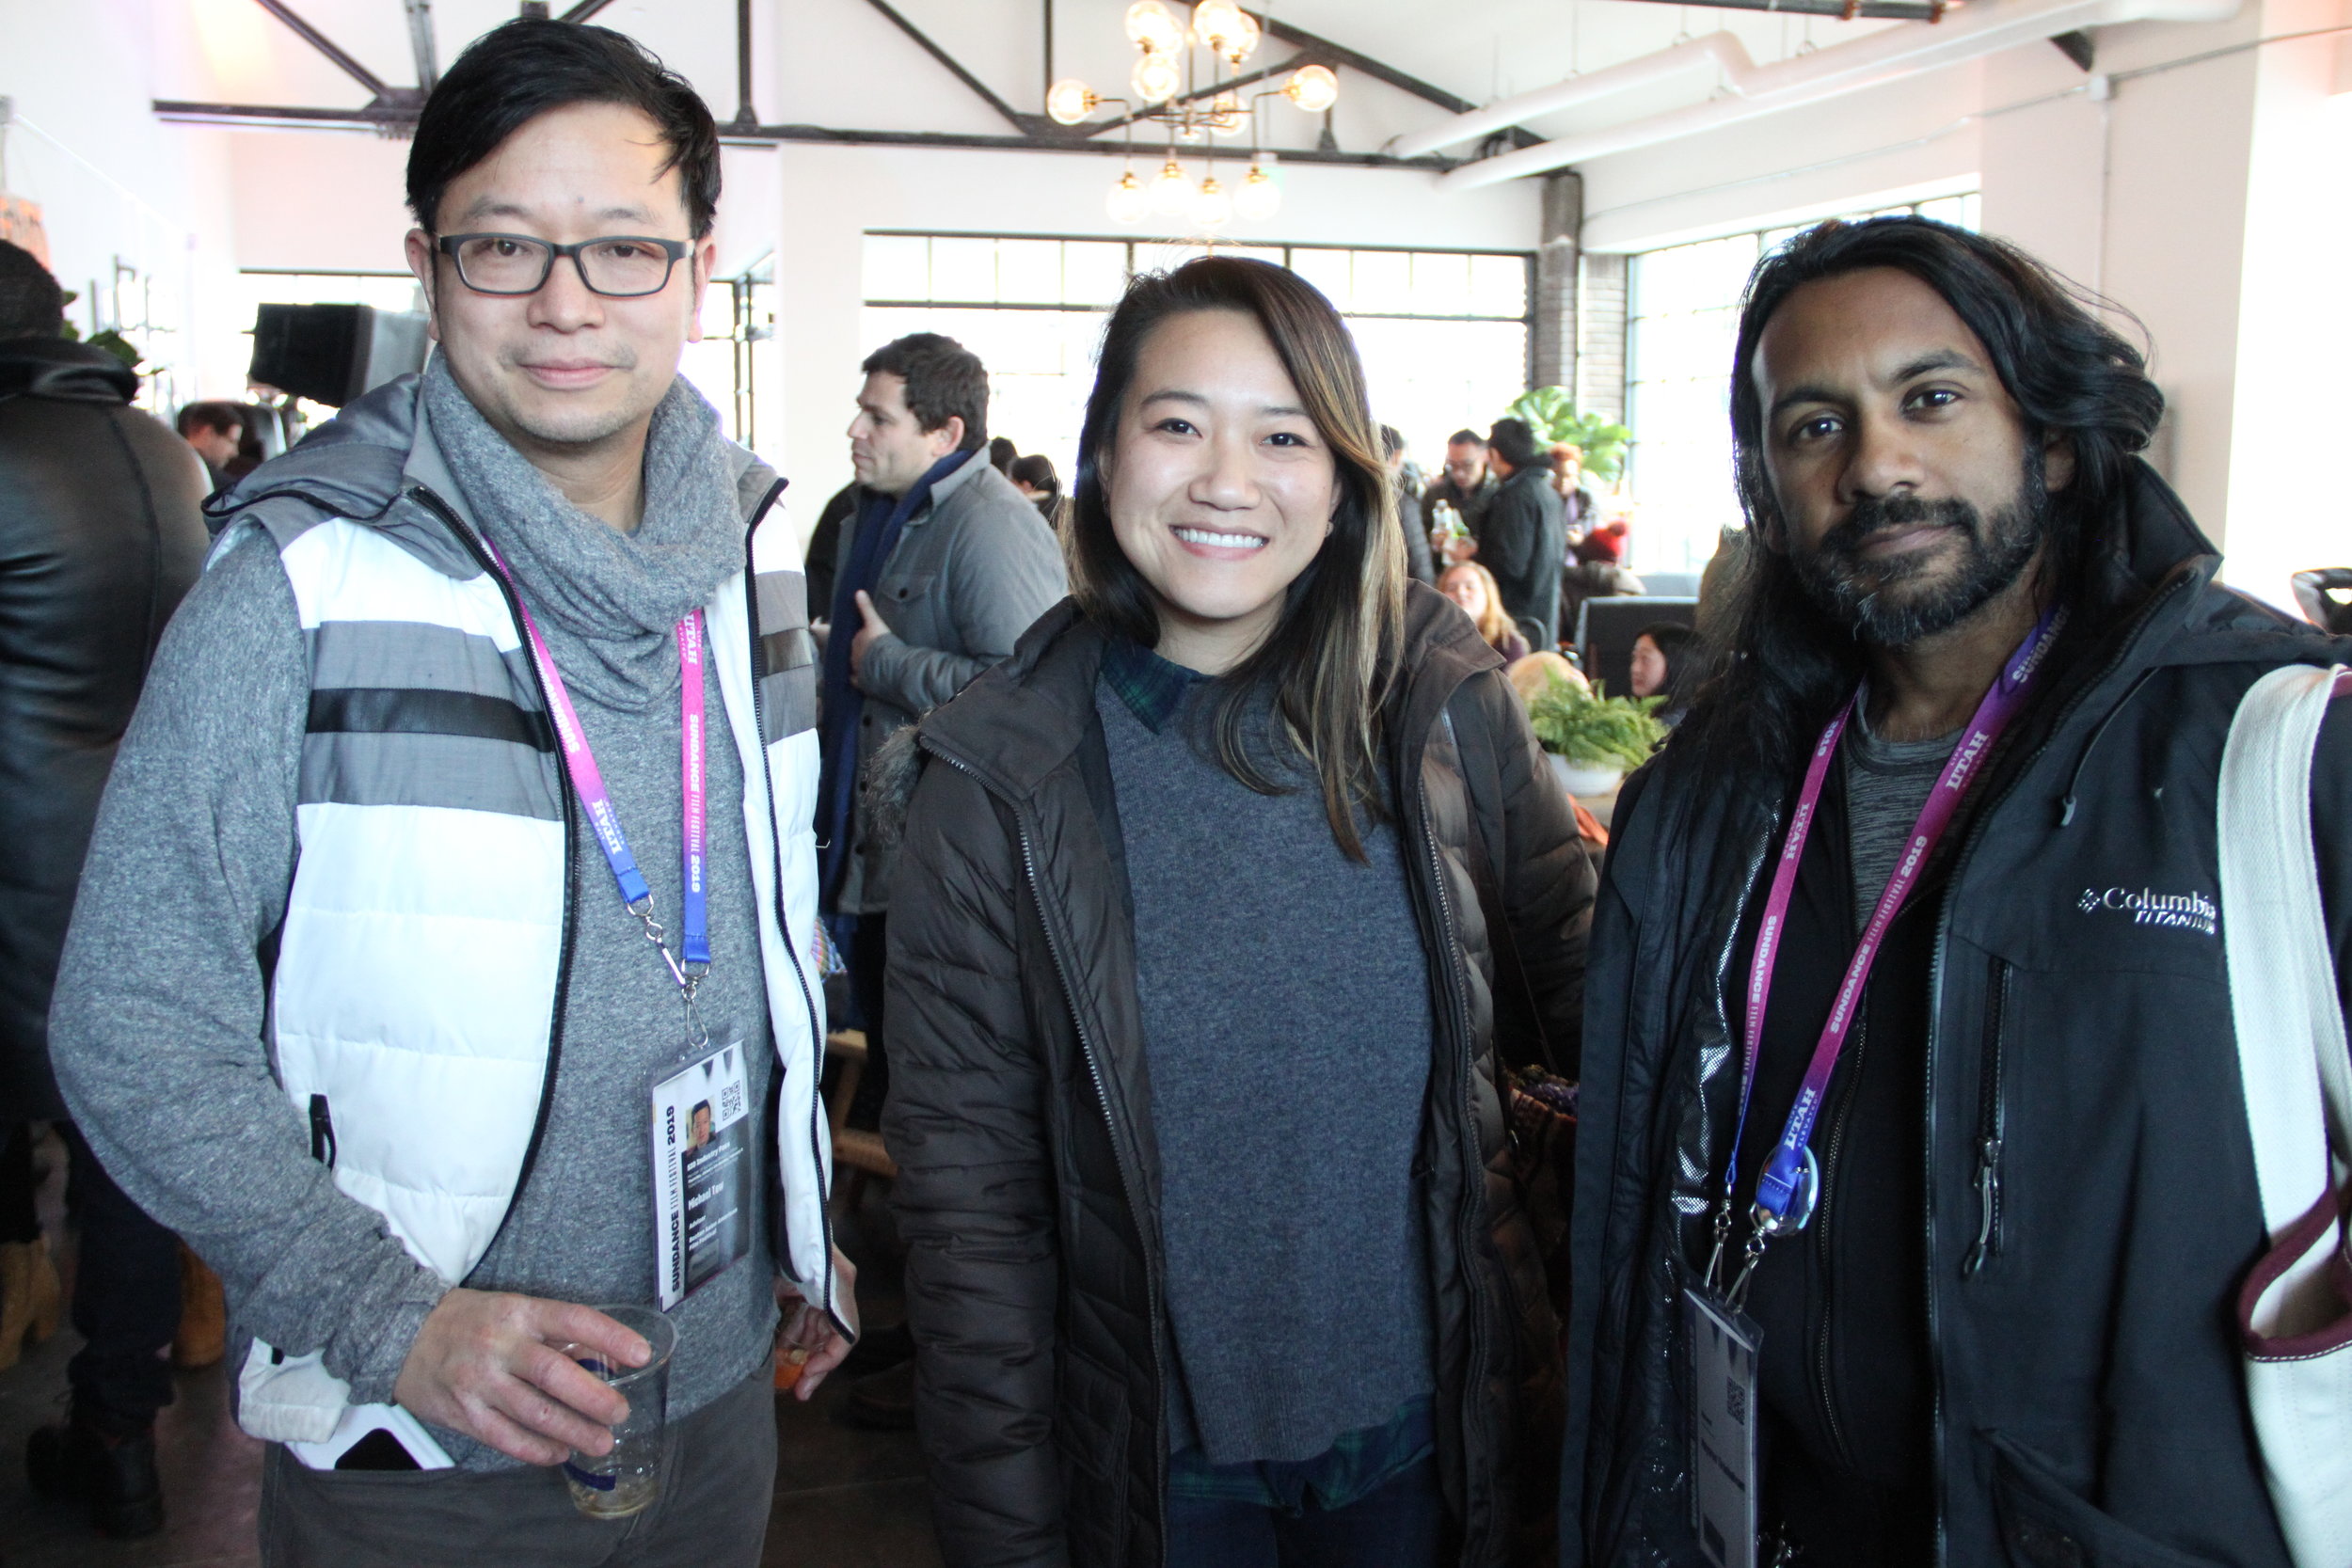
point(939, 570)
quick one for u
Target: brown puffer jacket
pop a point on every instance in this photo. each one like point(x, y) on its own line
point(1020, 1114)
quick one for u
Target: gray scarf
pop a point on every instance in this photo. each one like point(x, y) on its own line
point(617, 595)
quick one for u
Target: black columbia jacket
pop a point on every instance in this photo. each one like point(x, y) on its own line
point(1020, 1109)
point(2088, 1200)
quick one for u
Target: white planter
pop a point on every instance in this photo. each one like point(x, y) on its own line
point(1578, 779)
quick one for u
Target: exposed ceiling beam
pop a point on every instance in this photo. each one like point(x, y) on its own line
point(826, 133)
point(1335, 54)
point(744, 113)
point(327, 46)
point(381, 118)
point(1026, 125)
point(1898, 11)
point(1323, 49)
point(421, 42)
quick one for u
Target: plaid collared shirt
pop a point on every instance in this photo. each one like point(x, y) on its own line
point(1151, 687)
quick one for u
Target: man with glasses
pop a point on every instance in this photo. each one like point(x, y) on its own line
point(462, 843)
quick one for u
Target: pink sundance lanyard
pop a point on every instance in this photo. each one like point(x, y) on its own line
point(692, 960)
point(1786, 1178)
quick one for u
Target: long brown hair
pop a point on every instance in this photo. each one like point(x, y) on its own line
point(1329, 662)
point(1493, 624)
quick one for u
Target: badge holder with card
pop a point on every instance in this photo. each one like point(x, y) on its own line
point(704, 1166)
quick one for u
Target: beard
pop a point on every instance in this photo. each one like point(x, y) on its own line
point(1895, 601)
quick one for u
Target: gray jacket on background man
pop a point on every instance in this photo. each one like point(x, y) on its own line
point(970, 572)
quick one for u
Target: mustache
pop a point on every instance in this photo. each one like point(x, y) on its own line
point(1875, 515)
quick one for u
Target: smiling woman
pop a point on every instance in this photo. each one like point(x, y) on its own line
point(1192, 946)
point(1232, 510)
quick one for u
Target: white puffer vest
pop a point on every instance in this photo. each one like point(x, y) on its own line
point(414, 997)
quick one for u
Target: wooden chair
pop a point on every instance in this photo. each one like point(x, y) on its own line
point(860, 1152)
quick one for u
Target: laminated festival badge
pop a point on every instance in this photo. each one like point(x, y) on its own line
point(703, 1171)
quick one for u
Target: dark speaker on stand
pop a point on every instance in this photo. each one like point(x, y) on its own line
point(331, 354)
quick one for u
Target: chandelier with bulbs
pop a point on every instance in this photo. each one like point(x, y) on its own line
point(1168, 81)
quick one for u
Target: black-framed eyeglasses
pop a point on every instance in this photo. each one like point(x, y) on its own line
point(619, 266)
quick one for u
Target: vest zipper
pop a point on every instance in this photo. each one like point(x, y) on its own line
point(322, 1131)
point(816, 1135)
point(2140, 619)
point(465, 536)
point(1992, 1117)
point(1127, 1182)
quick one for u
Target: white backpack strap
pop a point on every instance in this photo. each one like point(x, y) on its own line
point(2292, 1052)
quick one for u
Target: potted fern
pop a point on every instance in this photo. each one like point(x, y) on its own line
point(1551, 414)
point(1592, 740)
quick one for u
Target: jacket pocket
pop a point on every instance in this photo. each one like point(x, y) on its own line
point(2044, 1525)
point(1092, 1432)
point(914, 587)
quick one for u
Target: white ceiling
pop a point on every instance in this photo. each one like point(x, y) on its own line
point(841, 63)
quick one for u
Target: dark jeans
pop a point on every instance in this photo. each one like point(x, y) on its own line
point(1401, 1526)
point(866, 956)
point(126, 1297)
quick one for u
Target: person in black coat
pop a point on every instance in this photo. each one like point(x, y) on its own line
point(99, 535)
point(1525, 537)
point(2006, 1331)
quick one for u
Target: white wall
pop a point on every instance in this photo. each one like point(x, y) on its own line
point(2292, 403)
point(113, 183)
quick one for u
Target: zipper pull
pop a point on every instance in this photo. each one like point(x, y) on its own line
point(1987, 1205)
point(322, 1131)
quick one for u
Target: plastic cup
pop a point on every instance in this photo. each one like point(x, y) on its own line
point(627, 1480)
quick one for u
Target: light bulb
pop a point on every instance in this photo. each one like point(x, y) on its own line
point(1211, 207)
point(1128, 201)
point(1070, 100)
point(1171, 192)
point(1151, 27)
point(1247, 44)
point(1156, 78)
point(1313, 88)
point(1220, 23)
point(1226, 116)
point(1257, 198)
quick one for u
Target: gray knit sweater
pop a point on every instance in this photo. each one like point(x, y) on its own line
point(1287, 1031)
point(158, 1033)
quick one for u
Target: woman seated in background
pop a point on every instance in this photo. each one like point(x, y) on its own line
point(1195, 1095)
point(1034, 477)
point(1662, 659)
point(1473, 587)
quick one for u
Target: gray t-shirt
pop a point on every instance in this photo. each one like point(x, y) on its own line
point(1887, 781)
point(1287, 1031)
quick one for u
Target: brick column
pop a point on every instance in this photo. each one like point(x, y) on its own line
point(1600, 356)
point(1552, 342)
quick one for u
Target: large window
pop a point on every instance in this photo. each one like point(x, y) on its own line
point(1443, 334)
point(1684, 317)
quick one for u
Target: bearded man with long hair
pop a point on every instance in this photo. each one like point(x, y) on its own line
point(1984, 1220)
